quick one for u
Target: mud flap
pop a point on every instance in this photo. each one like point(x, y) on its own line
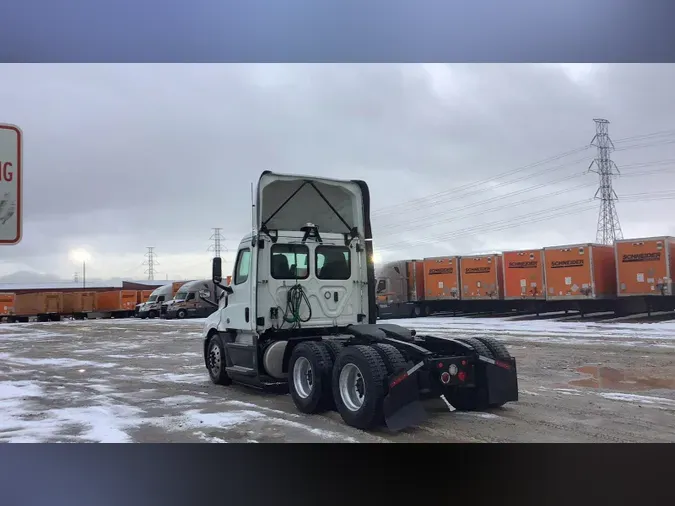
point(502, 381)
point(402, 406)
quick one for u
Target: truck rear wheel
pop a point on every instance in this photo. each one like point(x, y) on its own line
point(358, 386)
point(215, 361)
point(309, 376)
point(393, 360)
point(498, 350)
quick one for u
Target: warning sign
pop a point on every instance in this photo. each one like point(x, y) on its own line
point(11, 145)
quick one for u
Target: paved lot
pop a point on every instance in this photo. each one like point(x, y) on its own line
point(144, 381)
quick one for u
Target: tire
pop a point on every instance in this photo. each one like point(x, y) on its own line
point(476, 398)
point(181, 314)
point(478, 346)
point(393, 359)
point(215, 361)
point(334, 348)
point(417, 312)
point(498, 350)
point(363, 374)
point(309, 377)
point(152, 314)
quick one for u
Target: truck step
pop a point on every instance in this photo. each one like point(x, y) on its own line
point(241, 370)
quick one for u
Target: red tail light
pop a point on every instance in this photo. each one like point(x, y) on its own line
point(461, 375)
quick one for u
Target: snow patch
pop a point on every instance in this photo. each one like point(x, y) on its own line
point(641, 399)
point(56, 362)
point(487, 416)
point(182, 399)
point(242, 404)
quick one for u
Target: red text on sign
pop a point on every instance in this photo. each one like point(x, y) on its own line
point(6, 173)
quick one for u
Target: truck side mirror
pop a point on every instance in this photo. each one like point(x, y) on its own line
point(217, 270)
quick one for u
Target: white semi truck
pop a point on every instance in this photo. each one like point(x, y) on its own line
point(300, 313)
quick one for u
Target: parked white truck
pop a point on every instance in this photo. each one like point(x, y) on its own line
point(300, 313)
point(151, 308)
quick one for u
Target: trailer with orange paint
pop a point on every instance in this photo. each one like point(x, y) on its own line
point(143, 296)
point(6, 305)
point(441, 278)
point(580, 272)
point(645, 267)
point(115, 303)
point(45, 306)
point(79, 304)
point(481, 277)
point(523, 275)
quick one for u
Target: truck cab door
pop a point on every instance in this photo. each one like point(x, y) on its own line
point(238, 314)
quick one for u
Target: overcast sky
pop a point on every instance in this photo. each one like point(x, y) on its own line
point(121, 157)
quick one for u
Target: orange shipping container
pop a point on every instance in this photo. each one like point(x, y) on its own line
point(580, 271)
point(6, 304)
point(481, 277)
point(523, 274)
point(143, 296)
point(117, 300)
point(441, 278)
point(645, 266)
point(31, 304)
point(175, 286)
point(79, 302)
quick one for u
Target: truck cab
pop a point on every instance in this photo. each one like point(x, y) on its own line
point(306, 269)
point(191, 300)
point(300, 313)
point(152, 307)
point(400, 289)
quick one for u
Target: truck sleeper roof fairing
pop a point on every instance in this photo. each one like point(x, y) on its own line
point(162, 290)
point(289, 202)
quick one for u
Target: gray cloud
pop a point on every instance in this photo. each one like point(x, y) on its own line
point(120, 157)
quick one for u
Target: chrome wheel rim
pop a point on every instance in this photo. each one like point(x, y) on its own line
point(215, 361)
point(303, 377)
point(352, 387)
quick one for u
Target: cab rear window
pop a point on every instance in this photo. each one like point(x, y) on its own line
point(290, 261)
point(333, 262)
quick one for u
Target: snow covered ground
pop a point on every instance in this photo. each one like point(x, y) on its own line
point(660, 334)
point(144, 381)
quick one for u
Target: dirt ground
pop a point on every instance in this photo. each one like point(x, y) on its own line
point(144, 381)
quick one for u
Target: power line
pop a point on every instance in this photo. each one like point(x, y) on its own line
point(573, 208)
point(424, 201)
point(459, 192)
point(151, 262)
point(418, 220)
point(217, 238)
point(609, 228)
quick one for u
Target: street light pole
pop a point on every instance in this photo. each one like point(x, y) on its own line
point(84, 274)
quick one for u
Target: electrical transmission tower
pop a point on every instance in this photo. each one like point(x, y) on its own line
point(217, 241)
point(151, 262)
point(609, 228)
